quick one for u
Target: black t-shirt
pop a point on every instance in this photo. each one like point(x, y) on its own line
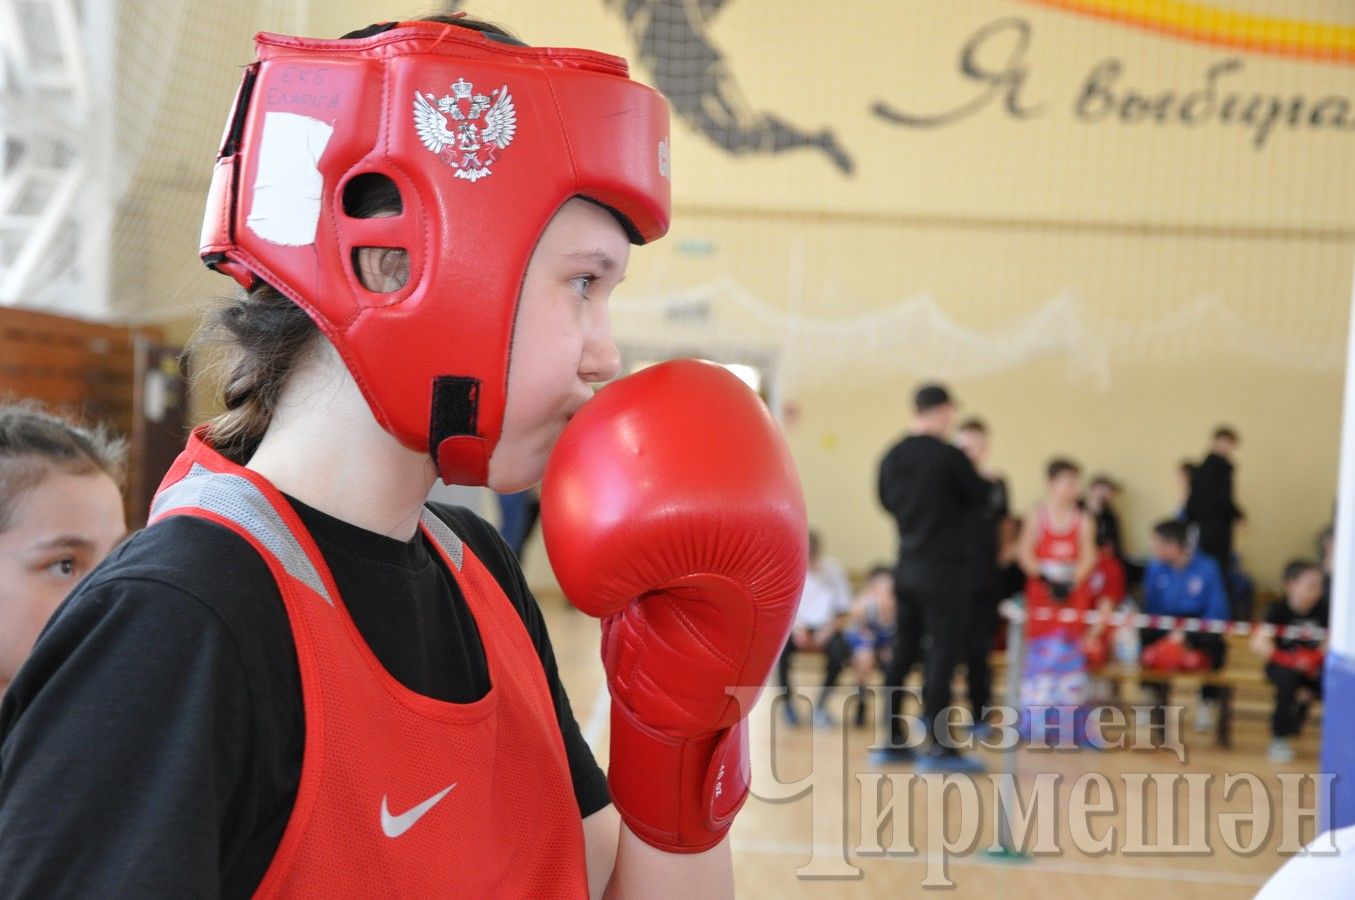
point(1210, 504)
point(151, 746)
point(1281, 615)
point(985, 535)
point(931, 488)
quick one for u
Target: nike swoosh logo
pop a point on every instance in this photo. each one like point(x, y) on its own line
point(394, 826)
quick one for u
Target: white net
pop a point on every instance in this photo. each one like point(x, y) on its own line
point(110, 114)
point(824, 351)
point(963, 195)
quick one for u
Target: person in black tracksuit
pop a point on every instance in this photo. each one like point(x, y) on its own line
point(931, 489)
point(1210, 507)
point(985, 534)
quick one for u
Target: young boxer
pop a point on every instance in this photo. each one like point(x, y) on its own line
point(301, 681)
point(1057, 552)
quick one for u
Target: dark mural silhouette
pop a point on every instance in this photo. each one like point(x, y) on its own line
point(672, 40)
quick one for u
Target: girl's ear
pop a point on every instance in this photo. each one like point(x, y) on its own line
point(382, 269)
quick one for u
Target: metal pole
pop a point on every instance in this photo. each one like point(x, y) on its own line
point(1016, 657)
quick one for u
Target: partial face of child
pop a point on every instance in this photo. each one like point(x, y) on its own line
point(562, 342)
point(58, 532)
point(974, 443)
point(1064, 488)
point(1169, 552)
point(1303, 592)
point(882, 588)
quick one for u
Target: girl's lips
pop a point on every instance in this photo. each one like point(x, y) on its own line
point(574, 410)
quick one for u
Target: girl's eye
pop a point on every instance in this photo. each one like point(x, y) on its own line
point(581, 284)
point(62, 568)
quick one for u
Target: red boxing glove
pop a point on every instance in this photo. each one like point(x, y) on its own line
point(1305, 660)
point(1193, 660)
point(1163, 654)
point(1310, 661)
point(671, 509)
point(1167, 655)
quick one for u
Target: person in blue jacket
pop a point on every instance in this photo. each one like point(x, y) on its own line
point(1186, 583)
point(1179, 582)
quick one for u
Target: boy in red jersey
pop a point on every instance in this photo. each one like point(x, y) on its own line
point(1056, 551)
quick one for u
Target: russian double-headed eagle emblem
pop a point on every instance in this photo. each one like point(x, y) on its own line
point(482, 127)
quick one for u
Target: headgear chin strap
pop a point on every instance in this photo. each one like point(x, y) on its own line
point(484, 141)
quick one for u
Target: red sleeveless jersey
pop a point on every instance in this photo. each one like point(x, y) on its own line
point(1057, 551)
point(401, 795)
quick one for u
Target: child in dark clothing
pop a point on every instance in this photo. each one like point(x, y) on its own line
point(1294, 664)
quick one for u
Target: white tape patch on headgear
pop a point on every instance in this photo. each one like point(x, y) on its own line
point(287, 188)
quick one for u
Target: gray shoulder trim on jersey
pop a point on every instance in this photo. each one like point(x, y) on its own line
point(237, 500)
point(446, 538)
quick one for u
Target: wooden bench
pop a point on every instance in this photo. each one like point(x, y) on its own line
point(1242, 671)
point(1226, 680)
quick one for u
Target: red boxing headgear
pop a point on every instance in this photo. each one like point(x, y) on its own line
point(484, 141)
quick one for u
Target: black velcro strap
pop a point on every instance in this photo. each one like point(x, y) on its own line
point(456, 402)
point(235, 125)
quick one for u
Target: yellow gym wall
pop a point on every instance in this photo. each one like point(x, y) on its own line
point(1090, 280)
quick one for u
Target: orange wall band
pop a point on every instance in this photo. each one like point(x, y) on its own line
point(1218, 27)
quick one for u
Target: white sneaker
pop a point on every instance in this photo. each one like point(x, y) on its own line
point(1281, 751)
point(1206, 716)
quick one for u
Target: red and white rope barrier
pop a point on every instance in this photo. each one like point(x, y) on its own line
point(1017, 613)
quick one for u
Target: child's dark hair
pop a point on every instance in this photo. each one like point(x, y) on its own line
point(975, 424)
point(1297, 568)
point(461, 20)
point(1172, 531)
point(264, 334)
point(1061, 465)
point(879, 569)
point(34, 443)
